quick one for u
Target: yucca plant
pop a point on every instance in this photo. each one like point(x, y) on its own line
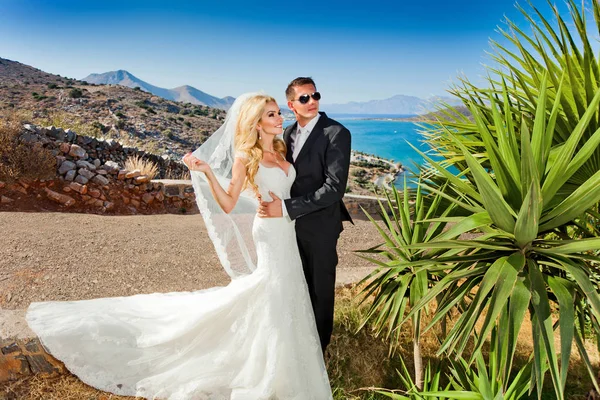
point(561, 52)
point(522, 184)
point(432, 382)
point(400, 282)
point(481, 381)
point(528, 162)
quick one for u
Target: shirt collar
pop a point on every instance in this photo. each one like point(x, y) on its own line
point(310, 126)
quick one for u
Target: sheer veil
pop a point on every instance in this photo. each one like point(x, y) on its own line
point(230, 233)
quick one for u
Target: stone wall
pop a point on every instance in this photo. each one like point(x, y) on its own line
point(90, 177)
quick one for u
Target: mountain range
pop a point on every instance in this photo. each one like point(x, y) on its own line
point(399, 104)
point(185, 94)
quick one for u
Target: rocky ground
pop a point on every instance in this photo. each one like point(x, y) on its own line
point(133, 117)
point(57, 256)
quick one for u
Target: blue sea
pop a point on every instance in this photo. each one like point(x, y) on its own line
point(376, 134)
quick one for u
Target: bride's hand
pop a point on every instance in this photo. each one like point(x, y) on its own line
point(195, 164)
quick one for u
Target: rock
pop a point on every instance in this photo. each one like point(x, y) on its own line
point(81, 179)
point(65, 147)
point(66, 166)
point(141, 179)
point(77, 151)
point(133, 174)
point(86, 165)
point(70, 175)
point(79, 188)
point(135, 203)
point(97, 163)
point(28, 137)
point(2, 184)
point(94, 193)
point(60, 160)
point(172, 190)
point(122, 175)
point(31, 128)
point(101, 172)
point(54, 132)
point(100, 180)
point(160, 196)
point(71, 136)
point(5, 200)
point(148, 198)
point(109, 205)
point(24, 184)
point(17, 188)
point(60, 198)
point(86, 172)
point(99, 203)
point(111, 166)
point(67, 189)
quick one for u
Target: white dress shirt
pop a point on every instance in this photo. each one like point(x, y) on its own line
point(298, 139)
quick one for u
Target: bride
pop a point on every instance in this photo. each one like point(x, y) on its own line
point(254, 339)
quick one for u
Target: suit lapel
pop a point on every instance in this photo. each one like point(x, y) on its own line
point(287, 138)
point(314, 135)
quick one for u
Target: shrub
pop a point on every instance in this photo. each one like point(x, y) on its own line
point(169, 133)
point(75, 93)
point(19, 160)
point(52, 86)
point(146, 167)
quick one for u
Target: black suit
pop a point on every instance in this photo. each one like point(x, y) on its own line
point(316, 205)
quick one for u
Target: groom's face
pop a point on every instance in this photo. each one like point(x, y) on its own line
point(304, 112)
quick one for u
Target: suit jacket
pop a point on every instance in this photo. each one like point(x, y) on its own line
point(321, 177)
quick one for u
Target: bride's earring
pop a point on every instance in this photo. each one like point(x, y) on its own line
point(259, 135)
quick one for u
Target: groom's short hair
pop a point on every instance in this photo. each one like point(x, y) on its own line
point(301, 81)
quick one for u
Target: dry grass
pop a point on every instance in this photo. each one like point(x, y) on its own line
point(146, 167)
point(65, 120)
point(66, 387)
point(20, 160)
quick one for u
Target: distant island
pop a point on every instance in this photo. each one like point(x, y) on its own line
point(395, 105)
point(433, 116)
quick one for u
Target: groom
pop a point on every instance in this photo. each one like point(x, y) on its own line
point(319, 149)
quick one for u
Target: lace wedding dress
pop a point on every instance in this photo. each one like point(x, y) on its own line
point(254, 339)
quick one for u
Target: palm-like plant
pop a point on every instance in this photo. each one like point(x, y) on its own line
point(529, 181)
point(529, 201)
point(400, 282)
point(562, 55)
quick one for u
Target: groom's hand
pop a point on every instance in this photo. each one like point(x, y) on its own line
point(270, 209)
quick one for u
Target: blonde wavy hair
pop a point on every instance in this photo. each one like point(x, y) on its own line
point(246, 141)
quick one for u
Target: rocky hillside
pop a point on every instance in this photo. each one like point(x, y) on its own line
point(133, 117)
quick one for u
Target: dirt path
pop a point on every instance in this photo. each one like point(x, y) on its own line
point(61, 256)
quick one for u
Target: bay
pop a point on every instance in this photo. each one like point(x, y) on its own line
point(383, 136)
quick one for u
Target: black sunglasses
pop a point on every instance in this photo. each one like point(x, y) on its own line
point(305, 98)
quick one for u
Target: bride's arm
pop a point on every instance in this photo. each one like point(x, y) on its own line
point(227, 199)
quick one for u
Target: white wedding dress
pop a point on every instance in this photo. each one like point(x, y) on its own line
point(254, 339)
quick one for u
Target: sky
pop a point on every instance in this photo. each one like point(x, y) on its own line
point(368, 51)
